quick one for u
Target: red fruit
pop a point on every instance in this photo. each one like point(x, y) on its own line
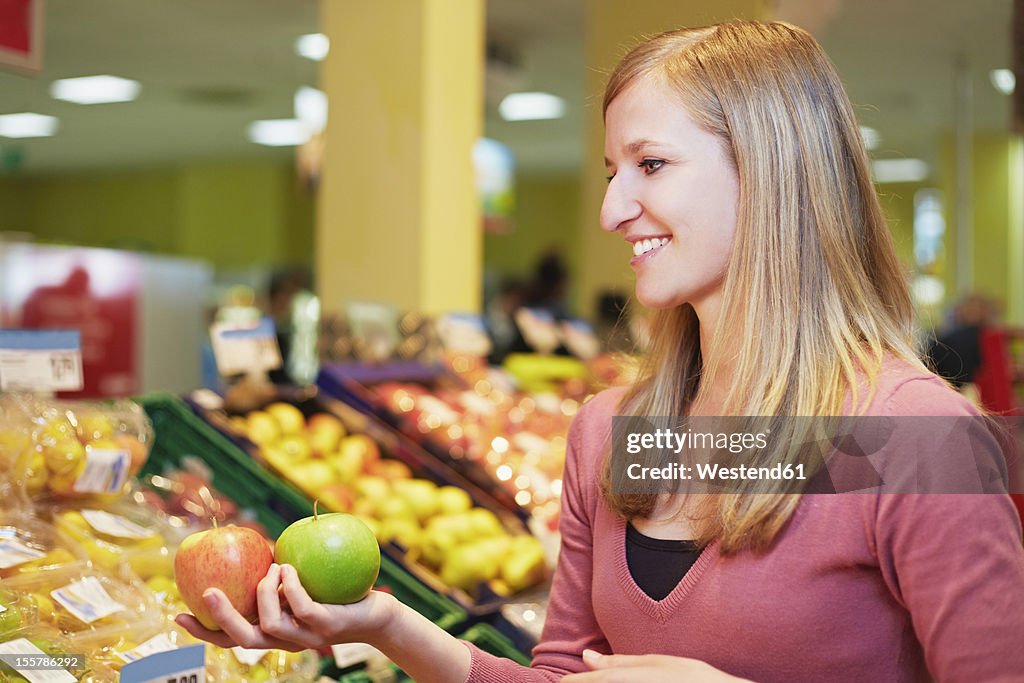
point(233, 559)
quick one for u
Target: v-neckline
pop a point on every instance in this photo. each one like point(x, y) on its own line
point(660, 610)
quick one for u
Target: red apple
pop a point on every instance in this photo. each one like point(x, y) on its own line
point(230, 558)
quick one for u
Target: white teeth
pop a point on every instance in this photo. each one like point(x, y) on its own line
point(638, 248)
point(648, 245)
point(664, 241)
point(641, 247)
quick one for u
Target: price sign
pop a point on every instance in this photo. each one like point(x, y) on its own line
point(184, 665)
point(40, 360)
point(464, 334)
point(579, 338)
point(246, 350)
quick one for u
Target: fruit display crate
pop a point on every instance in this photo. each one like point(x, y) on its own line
point(482, 635)
point(180, 434)
point(354, 384)
point(393, 446)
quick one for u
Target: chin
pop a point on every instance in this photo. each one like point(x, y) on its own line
point(659, 300)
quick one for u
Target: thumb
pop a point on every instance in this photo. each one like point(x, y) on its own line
point(596, 660)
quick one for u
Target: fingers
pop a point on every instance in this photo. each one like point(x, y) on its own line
point(237, 628)
point(192, 625)
point(302, 606)
point(276, 622)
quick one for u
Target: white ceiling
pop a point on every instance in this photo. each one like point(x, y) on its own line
point(210, 68)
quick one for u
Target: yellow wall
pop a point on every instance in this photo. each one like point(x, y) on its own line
point(231, 214)
point(547, 218)
point(897, 201)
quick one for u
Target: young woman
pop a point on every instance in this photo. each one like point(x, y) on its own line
point(738, 177)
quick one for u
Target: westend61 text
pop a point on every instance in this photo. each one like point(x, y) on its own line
point(715, 472)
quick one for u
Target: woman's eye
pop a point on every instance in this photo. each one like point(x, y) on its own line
point(649, 166)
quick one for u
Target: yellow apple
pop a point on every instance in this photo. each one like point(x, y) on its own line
point(373, 488)
point(452, 500)
point(362, 443)
point(262, 428)
point(312, 476)
point(348, 464)
point(420, 494)
point(288, 417)
point(63, 456)
point(325, 432)
point(92, 426)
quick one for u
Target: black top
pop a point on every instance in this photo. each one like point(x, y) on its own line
point(658, 565)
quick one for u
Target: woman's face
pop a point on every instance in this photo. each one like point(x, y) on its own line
point(672, 195)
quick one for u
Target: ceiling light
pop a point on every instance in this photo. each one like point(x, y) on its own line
point(531, 106)
point(871, 137)
point(311, 108)
point(899, 170)
point(313, 46)
point(279, 132)
point(27, 125)
point(95, 89)
point(1003, 80)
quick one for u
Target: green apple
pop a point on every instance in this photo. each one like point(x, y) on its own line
point(10, 617)
point(335, 555)
point(393, 507)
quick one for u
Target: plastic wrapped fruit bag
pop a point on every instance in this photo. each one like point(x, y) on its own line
point(73, 449)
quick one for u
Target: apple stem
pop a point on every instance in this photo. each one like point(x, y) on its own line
point(315, 501)
point(214, 520)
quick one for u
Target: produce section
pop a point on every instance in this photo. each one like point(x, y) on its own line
point(117, 516)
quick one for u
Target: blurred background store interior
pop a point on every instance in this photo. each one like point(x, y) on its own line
point(183, 173)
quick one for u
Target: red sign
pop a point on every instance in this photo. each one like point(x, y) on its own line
point(21, 34)
point(95, 291)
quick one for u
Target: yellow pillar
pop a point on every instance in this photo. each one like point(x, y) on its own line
point(612, 27)
point(998, 221)
point(398, 217)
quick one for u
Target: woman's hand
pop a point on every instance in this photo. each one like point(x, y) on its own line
point(648, 668)
point(305, 624)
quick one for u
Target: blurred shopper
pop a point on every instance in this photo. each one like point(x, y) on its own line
point(739, 178)
point(955, 355)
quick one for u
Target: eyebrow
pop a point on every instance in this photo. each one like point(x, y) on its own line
point(635, 147)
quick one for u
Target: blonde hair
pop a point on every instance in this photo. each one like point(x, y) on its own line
point(814, 296)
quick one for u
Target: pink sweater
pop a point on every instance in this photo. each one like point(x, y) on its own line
point(856, 588)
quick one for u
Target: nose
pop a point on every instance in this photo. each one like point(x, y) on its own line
point(619, 206)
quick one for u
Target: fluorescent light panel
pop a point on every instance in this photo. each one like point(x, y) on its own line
point(531, 106)
point(95, 89)
point(313, 46)
point(899, 170)
point(28, 125)
point(311, 108)
point(1003, 80)
point(278, 132)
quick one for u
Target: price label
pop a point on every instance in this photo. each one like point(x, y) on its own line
point(87, 600)
point(13, 553)
point(183, 665)
point(580, 339)
point(464, 334)
point(539, 329)
point(115, 525)
point(239, 350)
point(347, 654)
point(40, 360)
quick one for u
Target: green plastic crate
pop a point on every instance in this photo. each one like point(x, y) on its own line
point(484, 636)
point(180, 432)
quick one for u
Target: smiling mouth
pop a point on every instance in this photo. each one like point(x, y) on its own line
point(646, 246)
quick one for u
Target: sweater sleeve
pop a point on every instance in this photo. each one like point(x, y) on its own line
point(956, 563)
point(571, 625)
